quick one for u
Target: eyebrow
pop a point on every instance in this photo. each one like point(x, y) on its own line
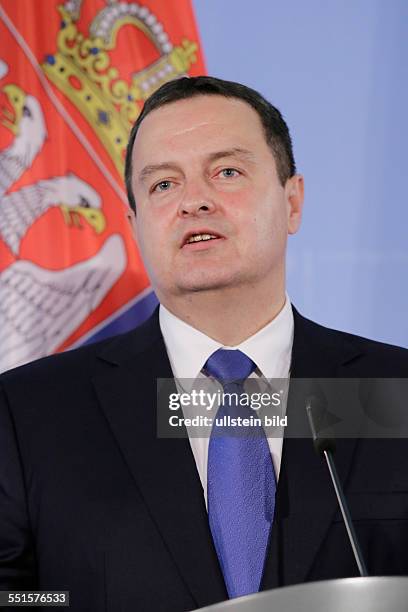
point(150, 169)
point(234, 152)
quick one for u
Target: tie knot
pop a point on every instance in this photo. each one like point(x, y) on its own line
point(229, 366)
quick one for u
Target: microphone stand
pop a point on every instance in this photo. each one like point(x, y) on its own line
point(325, 447)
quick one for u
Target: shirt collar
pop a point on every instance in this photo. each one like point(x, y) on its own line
point(188, 349)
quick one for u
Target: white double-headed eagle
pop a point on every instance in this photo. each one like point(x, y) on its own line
point(75, 198)
point(23, 116)
point(39, 307)
point(20, 209)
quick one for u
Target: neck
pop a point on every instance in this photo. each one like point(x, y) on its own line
point(229, 316)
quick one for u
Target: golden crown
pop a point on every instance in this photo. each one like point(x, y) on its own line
point(81, 68)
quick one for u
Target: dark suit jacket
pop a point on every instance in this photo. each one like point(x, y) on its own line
point(91, 501)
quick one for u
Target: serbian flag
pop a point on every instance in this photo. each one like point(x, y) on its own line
point(73, 79)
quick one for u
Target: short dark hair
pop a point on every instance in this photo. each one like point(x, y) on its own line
point(276, 131)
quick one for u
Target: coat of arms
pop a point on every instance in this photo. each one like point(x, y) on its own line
point(73, 79)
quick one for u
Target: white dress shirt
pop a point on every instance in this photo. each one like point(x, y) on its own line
point(188, 350)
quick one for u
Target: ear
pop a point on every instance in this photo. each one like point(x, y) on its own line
point(294, 193)
point(131, 217)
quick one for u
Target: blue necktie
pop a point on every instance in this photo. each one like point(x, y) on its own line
point(241, 483)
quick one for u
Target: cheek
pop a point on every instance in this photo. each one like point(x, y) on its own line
point(150, 228)
point(242, 200)
point(146, 240)
point(239, 208)
point(140, 232)
point(270, 227)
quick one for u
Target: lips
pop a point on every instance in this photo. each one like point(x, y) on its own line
point(199, 236)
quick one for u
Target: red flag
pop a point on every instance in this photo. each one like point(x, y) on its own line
point(73, 78)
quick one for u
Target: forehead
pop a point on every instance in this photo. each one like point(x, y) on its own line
point(199, 124)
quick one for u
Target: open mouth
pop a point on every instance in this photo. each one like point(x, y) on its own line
point(201, 238)
point(193, 238)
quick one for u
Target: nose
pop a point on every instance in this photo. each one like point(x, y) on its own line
point(196, 202)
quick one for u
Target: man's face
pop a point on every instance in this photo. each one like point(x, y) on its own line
point(202, 167)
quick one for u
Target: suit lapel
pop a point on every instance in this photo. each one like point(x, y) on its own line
point(306, 503)
point(163, 469)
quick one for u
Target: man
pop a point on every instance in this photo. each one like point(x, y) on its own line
point(91, 499)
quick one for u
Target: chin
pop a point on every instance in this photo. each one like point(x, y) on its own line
point(207, 282)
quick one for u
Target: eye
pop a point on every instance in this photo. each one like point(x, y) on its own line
point(26, 111)
point(229, 172)
point(162, 186)
point(84, 202)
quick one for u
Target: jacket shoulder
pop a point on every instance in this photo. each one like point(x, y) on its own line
point(87, 360)
point(370, 357)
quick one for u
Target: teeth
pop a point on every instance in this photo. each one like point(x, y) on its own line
point(200, 237)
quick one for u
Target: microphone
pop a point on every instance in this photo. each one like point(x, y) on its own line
point(325, 445)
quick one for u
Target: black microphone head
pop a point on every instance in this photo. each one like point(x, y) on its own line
point(320, 422)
